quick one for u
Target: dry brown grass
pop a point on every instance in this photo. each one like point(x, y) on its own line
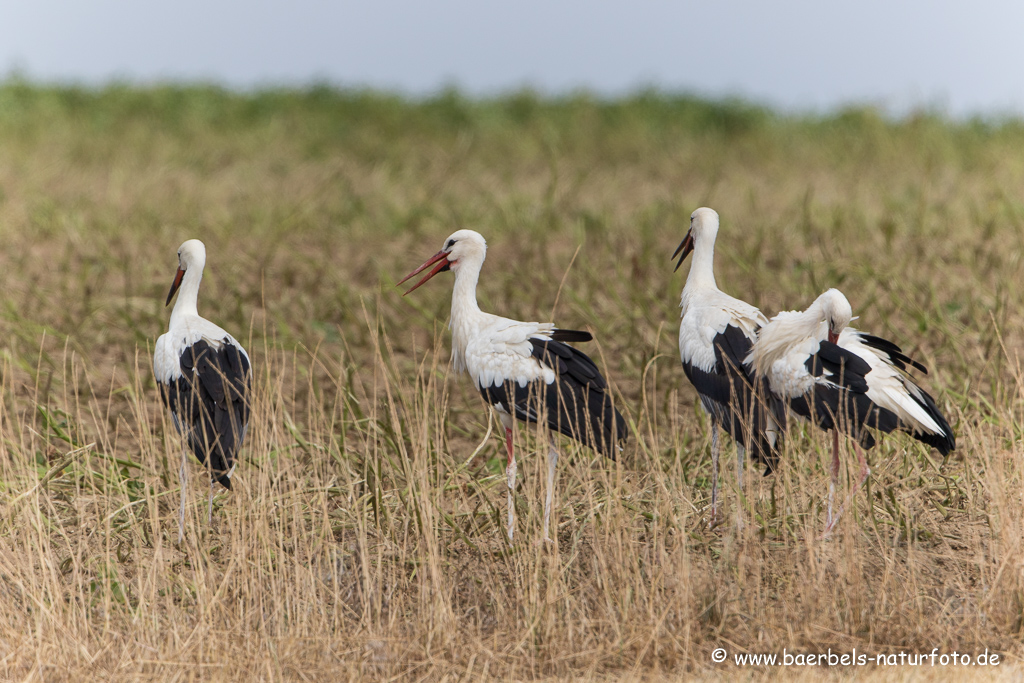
point(362, 539)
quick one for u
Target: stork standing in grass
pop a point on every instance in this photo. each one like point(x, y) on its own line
point(204, 378)
point(845, 380)
point(524, 370)
point(716, 333)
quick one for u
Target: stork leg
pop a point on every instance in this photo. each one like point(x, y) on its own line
point(741, 456)
point(830, 519)
point(209, 509)
point(865, 471)
point(714, 475)
point(552, 465)
point(183, 480)
point(510, 473)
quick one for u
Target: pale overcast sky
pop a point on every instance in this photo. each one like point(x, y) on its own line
point(964, 57)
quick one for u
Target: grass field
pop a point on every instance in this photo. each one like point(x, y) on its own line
point(364, 535)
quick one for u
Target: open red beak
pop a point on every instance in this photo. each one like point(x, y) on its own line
point(174, 286)
point(684, 249)
point(440, 258)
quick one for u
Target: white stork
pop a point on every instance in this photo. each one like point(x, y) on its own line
point(204, 378)
point(523, 370)
point(843, 379)
point(715, 335)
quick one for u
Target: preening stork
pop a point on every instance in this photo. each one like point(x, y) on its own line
point(524, 370)
point(845, 380)
point(716, 333)
point(204, 377)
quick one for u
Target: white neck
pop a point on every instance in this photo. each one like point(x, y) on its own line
point(188, 295)
point(810, 323)
point(466, 312)
point(785, 331)
point(464, 293)
point(702, 265)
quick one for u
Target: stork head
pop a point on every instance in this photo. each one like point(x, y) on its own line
point(463, 247)
point(836, 311)
point(191, 254)
point(703, 228)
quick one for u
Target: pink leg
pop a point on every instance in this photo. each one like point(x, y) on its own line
point(508, 445)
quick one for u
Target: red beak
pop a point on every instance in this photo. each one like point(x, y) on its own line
point(832, 336)
point(684, 249)
point(174, 286)
point(440, 258)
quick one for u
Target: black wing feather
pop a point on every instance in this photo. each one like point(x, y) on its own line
point(856, 411)
point(576, 403)
point(843, 403)
point(571, 336)
point(944, 442)
point(895, 353)
point(738, 402)
point(844, 367)
point(210, 403)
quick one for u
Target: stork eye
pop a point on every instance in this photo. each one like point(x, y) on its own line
point(450, 244)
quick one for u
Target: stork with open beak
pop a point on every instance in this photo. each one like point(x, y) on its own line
point(524, 370)
point(845, 380)
point(716, 333)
